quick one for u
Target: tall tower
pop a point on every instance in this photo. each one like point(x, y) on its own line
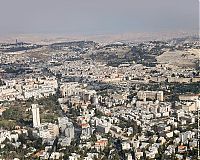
point(36, 115)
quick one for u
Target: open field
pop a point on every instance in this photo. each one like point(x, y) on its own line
point(187, 58)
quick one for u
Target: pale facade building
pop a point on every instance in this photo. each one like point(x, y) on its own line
point(36, 115)
point(153, 95)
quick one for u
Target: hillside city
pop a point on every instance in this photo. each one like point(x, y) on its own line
point(86, 100)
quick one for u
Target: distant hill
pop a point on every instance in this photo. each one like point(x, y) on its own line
point(108, 38)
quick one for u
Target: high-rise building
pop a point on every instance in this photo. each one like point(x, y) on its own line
point(36, 115)
point(69, 131)
point(62, 121)
point(66, 127)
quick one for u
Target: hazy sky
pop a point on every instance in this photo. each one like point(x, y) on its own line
point(97, 16)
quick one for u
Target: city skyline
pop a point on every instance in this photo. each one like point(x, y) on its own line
point(99, 80)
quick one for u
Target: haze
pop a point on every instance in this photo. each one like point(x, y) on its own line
point(88, 17)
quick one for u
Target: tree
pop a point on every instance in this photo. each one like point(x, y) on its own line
point(2, 82)
point(173, 75)
point(30, 135)
point(22, 138)
point(106, 151)
point(93, 138)
point(6, 141)
point(66, 155)
point(12, 113)
point(115, 156)
point(95, 157)
point(38, 144)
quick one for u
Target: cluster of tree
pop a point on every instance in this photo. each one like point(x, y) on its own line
point(49, 103)
point(7, 124)
point(15, 70)
point(130, 123)
point(11, 152)
point(98, 113)
point(2, 82)
point(75, 45)
point(185, 88)
point(13, 113)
